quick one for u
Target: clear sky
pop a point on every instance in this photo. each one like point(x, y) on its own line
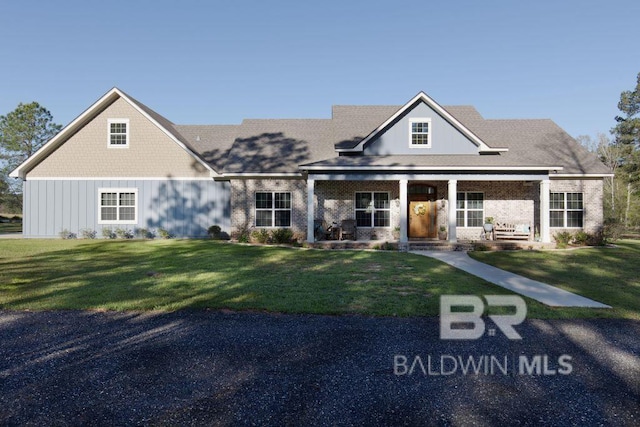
point(217, 62)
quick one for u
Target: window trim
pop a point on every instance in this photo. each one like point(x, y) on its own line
point(272, 209)
point(429, 133)
point(566, 209)
point(116, 121)
point(118, 191)
point(388, 193)
point(466, 210)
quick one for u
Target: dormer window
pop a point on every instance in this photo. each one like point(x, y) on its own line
point(420, 133)
point(118, 130)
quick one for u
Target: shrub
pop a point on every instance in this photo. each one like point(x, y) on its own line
point(108, 233)
point(260, 236)
point(480, 247)
point(282, 235)
point(164, 234)
point(215, 232)
point(562, 239)
point(144, 233)
point(611, 231)
point(88, 233)
point(581, 238)
point(66, 234)
point(123, 233)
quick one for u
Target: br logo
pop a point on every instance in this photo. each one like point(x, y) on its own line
point(451, 322)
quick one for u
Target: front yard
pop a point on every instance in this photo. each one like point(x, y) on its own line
point(200, 274)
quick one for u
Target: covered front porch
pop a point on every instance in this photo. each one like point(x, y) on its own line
point(408, 207)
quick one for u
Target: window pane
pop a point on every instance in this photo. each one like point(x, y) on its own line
point(474, 219)
point(108, 199)
point(574, 219)
point(382, 218)
point(574, 200)
point(475, 200)
point(362, 200)
point(556, 219)
point(108, 214)
point(381, 200)
point(283, 218)
point(283, 200)
point(127, 213)
point(127, 199)
point(460, 218)
point(460, 200)
point(363, 219)
point(263, 201)
point(263, 219)
point(420, 139)
point(556, 201)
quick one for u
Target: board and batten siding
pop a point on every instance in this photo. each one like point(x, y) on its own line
point(186, 208)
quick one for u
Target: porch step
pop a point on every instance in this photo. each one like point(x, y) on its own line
point(439, 246)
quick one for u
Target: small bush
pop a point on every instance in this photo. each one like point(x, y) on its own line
point(581, 238)
point(260, 236)
point(144, 233)
point(88, 233)
point(66, 234)
point(215, 232)
point(562, 239)
point(480, 247)
point(108, 233)
point(282, 235)
point(164, 234)
point(123, 233)
point(611, 231)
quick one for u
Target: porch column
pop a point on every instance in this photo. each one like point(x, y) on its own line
point(403, 211)
point(310, 209)
point(451, 217)
point(545, 235)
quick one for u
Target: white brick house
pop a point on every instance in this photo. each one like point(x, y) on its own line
point(397, 170)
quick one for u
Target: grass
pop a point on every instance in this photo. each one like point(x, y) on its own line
point(199, 274)
point(10, 227)
point(608, 275)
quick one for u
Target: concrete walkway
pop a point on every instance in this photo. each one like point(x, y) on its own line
point(546, 294)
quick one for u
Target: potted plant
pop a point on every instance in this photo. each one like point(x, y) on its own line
point(488, 224)
point(442, 234)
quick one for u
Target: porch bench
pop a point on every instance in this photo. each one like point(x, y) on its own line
point(507, 231)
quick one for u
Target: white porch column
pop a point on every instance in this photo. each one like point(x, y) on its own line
point(403, 211)
point(310, 209)
point(451, 217)
point(545, 235)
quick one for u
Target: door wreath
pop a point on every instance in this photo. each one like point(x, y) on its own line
point(420, 209)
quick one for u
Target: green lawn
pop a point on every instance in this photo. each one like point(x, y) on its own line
point(181, 274)
point(608, 275)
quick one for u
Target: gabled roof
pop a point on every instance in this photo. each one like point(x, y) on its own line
point(419, 98)
point(107, 99)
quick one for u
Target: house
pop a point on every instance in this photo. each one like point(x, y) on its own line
point(412, 168)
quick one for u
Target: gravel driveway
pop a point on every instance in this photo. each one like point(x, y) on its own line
point(216, 368)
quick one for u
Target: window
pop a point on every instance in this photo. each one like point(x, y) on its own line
point(470, 210)
point(373, 209)
point(118, 133)
point(566, 210)
point(420, 133)
point(273, 209)
point(118, 206)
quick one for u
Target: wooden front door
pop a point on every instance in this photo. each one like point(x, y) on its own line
point(423, 219)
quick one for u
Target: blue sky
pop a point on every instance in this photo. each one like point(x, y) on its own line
point(210, 62)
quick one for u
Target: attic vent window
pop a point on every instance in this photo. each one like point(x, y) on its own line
point(118, 133)
point(420, 133)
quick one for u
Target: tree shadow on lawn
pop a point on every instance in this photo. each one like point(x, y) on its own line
point(197, 274)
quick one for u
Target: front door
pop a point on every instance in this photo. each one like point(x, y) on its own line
point(422, 219)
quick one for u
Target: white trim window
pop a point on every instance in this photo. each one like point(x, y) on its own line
point(117, 206)
point(372, 209)
point(273, 209)
point(470, 209)
point(420, 133)
point(118, 133)
point(566, 210)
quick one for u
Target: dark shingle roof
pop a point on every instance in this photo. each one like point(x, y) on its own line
point(283, 145)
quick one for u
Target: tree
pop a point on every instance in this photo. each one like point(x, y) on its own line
point(627, 139)
point(22, 132)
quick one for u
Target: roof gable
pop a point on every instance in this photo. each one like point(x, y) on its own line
point(442, 115)
point(89, 114)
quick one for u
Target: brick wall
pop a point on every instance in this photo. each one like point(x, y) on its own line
point(505, 201)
